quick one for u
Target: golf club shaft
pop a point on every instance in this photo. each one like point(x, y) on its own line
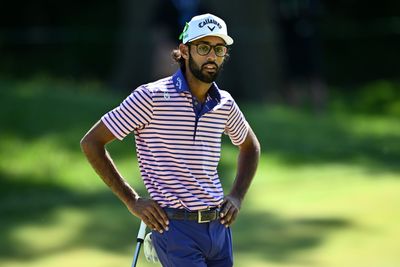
point(137, 250)
point(140, 239)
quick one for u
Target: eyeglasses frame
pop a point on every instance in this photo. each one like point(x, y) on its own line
point(212, 47)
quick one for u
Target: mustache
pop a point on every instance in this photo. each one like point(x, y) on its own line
point(210, 63)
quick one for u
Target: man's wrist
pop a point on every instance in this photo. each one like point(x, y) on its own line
point(236, 194)
point(129, 197)
point(133, 199)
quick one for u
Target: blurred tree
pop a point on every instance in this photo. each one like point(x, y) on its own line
point(361, 41)
point(132, 51)
point(115, 41)
point(301, 52)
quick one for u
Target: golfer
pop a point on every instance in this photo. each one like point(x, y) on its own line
point(178, 122)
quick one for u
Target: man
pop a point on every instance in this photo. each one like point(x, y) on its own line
point(178, 122)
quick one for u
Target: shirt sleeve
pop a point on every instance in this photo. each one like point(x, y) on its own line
point(135, 112)
point(236, 127)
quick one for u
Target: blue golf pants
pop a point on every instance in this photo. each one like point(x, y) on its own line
point(189, 243)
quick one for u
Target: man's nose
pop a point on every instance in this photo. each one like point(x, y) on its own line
point(211, 56)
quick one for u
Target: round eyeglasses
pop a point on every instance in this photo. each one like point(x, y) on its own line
point(204, 49)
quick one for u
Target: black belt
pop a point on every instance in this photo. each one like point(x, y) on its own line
point(201, 216)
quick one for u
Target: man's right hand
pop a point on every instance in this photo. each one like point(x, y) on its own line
point(150, 213)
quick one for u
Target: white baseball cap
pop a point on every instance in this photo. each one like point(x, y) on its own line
point(205, 25)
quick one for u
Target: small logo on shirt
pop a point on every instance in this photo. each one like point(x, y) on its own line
point(179, 82)
point(166, 95)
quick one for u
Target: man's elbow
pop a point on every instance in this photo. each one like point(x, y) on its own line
point(87, 144)
point(257, 147)
point(251, 144)
point(84, 143)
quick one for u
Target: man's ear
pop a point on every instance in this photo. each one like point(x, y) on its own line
point(184, 51)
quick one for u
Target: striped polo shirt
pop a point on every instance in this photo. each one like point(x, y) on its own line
point(178, 146)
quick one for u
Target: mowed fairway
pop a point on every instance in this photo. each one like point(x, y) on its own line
point(326, 193)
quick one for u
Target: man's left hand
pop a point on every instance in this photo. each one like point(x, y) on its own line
point(229, 210)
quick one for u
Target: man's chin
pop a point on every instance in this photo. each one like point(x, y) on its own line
point(209, 76)
point(207, 79)
point(205, 76)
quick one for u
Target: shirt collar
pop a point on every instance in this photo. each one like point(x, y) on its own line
point(181, 85)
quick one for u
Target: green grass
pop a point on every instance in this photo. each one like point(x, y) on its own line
point(326, 193)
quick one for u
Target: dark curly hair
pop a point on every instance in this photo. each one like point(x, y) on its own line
point(177, 57)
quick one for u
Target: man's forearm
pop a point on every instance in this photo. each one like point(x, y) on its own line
point(102, 163)
point(249, 155)
point(93, 145)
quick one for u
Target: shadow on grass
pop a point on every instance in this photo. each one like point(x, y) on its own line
point(109, 226)
point(107, 223)
point(276, 239)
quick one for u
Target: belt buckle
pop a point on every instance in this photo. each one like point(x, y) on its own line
point(200, 218)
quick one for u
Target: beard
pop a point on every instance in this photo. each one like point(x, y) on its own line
point(201, 74)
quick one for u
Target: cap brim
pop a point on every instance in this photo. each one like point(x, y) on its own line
point(227, 39)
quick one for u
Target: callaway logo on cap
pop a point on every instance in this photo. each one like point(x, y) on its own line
point(205, 25)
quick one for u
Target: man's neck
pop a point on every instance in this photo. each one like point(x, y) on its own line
point(198, 88)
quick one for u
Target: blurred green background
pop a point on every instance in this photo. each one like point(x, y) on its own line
point(318, 81)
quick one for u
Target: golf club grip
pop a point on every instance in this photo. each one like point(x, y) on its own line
point(142, 232)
